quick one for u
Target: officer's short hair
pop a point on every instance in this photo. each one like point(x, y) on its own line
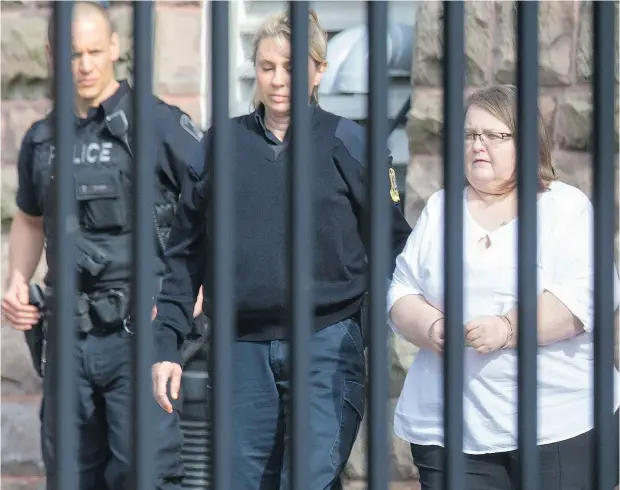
point(101, 6)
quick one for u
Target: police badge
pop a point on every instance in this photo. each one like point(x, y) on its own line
point(393, 187)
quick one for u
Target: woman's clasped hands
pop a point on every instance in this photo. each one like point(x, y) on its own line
point(488, 333)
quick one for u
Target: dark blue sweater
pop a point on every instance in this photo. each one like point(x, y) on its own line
point(339, 197)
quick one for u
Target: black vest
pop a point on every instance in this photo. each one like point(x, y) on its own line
point(119, 123)
point(103, 161)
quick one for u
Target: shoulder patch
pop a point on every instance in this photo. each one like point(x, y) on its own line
point(351, 135)
point(40, 131)
point(188, 125)
point(197, 163)
point(393, 186)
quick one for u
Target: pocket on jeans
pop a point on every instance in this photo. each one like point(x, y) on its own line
point(353, 332)
point(353, 401)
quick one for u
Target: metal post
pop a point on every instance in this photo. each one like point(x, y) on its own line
point(453, 151)
point(142, 475)
point(222, 190)
point(65, 218)
point(605, 41)
point(527, 182)
point(300, 238)
point(379, 230)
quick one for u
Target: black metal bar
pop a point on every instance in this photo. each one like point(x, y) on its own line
point(401, 117)
point(143, 243)
point(453, 151)
point(605, 41)
point(300, 238)
point(62, 318)
point(224, 247)
point(380, 244)
point(527, 182)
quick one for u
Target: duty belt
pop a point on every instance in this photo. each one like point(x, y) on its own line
point(101, 311)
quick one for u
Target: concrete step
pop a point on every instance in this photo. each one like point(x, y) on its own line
point(22, 483)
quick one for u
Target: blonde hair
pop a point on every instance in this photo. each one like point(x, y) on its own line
point(501, 102)
point(278, 28)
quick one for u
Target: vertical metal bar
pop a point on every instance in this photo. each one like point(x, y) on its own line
point(300, 237)
point(223, 261)
point(453, 150)
point(605, 40)
point(527, 183)
point(380, 244)
point(143, 243)
point(62, 319)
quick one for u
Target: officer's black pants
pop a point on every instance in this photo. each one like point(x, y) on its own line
point(103, 418)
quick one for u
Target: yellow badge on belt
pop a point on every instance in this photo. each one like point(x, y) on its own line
point(393, 187)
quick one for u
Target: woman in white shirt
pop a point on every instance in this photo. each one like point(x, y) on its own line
point(565, 358)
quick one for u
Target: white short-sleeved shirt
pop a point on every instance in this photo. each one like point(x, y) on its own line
point(565, 369)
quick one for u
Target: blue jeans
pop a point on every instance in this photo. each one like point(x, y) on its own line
point(104, 416)
point(262, 391)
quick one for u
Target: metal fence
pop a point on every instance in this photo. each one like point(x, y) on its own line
point(300, 247)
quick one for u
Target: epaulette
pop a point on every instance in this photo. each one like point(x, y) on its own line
point(41, 131)
point(352, 137)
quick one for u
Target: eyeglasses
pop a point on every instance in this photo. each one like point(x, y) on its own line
point(487, 138)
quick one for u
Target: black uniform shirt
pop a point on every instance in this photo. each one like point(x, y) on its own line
point(259, 115)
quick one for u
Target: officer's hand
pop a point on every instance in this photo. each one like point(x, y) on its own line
point(162, 372)
point(197, 308)
point(16, 310)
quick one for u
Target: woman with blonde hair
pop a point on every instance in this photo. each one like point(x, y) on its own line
point(565, 315)
point(261, 352)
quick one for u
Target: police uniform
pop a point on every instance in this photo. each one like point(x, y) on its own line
point(102, 160)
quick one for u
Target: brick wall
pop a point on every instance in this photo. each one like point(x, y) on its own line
point(177, 78)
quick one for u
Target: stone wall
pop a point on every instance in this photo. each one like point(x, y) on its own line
point(565, 76)
point(24, 67)
point(24, 84)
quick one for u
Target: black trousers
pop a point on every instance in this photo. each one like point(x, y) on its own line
point(103, 418)
point(564, 465)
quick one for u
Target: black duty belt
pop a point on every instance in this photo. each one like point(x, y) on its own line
point(103, 311)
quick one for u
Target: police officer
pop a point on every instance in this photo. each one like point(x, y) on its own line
point(261, 352)
point(102, 160)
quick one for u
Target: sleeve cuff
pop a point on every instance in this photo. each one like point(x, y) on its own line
point(579, 308)
point(27, 208)
point(166, 344)
point(398, 291)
